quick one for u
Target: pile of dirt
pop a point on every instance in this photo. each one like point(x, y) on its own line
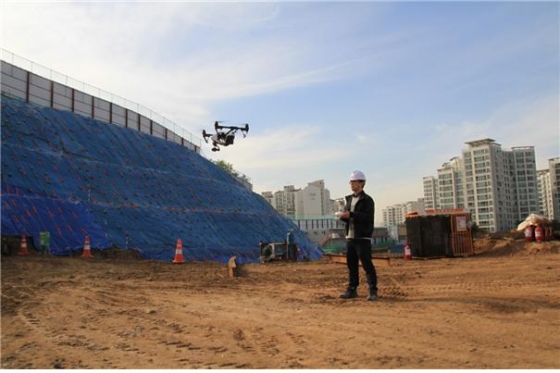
point(510, 244)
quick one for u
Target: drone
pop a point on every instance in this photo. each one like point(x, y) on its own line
point(224, 135)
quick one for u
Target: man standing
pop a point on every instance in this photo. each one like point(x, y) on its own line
point(358, 216)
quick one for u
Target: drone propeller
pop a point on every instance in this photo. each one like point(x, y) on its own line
point(218, 125)
point(205, 135)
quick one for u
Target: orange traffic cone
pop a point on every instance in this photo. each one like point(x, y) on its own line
point(179, 252)
point(87, 249)
point(23, 246)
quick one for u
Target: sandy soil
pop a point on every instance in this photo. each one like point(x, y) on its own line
point(497, 309)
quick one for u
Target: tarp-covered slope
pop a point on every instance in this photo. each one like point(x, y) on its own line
point(74, 176)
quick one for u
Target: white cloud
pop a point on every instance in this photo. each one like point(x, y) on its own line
point(530, 123)
point(527, 122)
point(166, 56)
point(283, 150)
point(181, 59)
point(362, 139)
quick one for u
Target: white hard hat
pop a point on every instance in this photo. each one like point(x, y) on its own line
point(357, 175)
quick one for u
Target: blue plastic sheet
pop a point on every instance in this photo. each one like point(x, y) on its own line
point(68, 222)
point(127, 189)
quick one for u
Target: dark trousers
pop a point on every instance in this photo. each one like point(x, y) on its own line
point(356, 251)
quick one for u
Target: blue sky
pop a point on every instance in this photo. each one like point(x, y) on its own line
point(394, 89)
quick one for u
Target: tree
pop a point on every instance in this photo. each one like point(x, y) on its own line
point(228, 167)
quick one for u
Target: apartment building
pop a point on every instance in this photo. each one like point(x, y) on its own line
point(313, 200)
point(310, 202)
point(498, 187)
point(283, 201)
point(431, 195)
point(548, 190)
point(545, 193)
point(525, 191)
point(554, 170)
point(396, 214)
point(394, 217)
point(450, 190)
point(310, 208)
point(269, 197)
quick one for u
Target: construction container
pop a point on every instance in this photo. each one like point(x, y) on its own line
point(439, 233)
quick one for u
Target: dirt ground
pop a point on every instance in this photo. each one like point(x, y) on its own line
point(497, 309)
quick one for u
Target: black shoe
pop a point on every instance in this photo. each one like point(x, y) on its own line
point(372, 295)
point(349, 294)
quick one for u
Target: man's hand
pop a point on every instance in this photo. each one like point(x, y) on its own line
point(345, 215)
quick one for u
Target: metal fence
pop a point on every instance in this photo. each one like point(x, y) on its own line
point(42, 92)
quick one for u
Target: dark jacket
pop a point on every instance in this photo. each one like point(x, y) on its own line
point(363, 214)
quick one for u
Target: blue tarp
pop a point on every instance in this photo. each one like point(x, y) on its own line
point(69, 222)
point(126, 189)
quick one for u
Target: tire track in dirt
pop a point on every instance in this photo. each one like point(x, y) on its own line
point(36, 323)
point(157, 315)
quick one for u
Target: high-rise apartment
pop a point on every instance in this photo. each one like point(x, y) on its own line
point(310, 208)
point(396, 214)
point(431, 195)
point(313, 201)
point(548, 185)
point(498, 187)
point(484, 173)
point(554, 169)
point(545, 193)
point(450, 184)
point(284, 201)
point(524, 168)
